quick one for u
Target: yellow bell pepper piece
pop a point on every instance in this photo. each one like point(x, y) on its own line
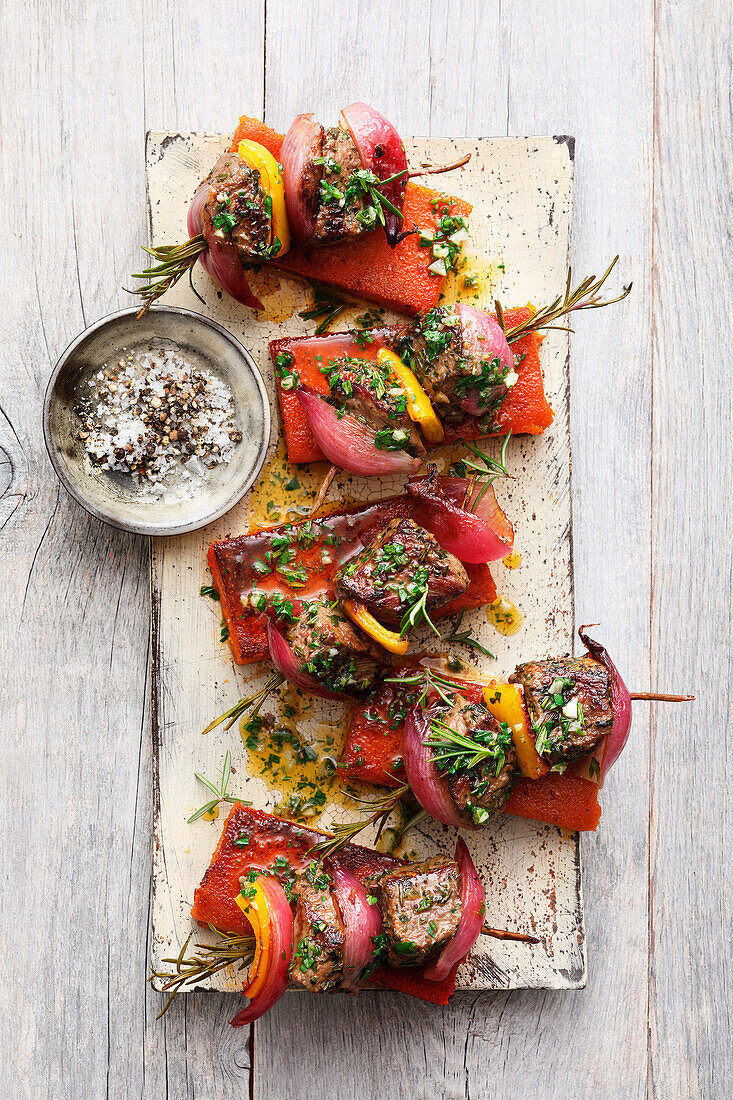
point(271, 179)
point(418, 402)
point(384, 637)
point(257, 913)
point(506, 703)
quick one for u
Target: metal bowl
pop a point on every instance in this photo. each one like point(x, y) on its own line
point(112, 497)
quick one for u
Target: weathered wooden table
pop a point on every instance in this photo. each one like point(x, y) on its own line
point(644, 87)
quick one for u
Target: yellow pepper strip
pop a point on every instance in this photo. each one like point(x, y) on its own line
point(418, 402)
point(256, 911)
point(386, 638)
point(506, 703)
point(271, 178)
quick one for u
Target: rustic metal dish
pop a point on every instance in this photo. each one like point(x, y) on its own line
point(112, 497)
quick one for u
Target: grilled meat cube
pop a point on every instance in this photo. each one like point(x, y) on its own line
point(449, 361)
point(238, 209)
point(421, 909)
point(481, 791)
point(569, 705)
point(333, 650)
point(343, 211)
point(365, 390)
point(318, 937)
point(390, 574)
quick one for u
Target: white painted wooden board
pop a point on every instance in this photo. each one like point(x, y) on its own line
point(521, 192)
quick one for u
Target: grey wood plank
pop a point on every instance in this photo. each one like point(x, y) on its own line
point(77, 1016)
point(692, 479)
point(74, 631)
point(603, 95)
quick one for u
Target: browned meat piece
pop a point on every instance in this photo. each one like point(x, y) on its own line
point(481, 791)
point(569, 705)
point(448, 362)
point(343, 211)
point(318, 935)
point(366, 390)
point(333, 650)
point(421, 908)
point(390, 574)
point(238, 208)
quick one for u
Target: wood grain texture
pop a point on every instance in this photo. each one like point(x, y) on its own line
point(692, 534)
point(648, 102)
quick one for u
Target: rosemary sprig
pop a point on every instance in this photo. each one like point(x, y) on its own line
point(465, 637)
point(459, 753)
point(327, 303)
point(344, 833)
point(428, 681)
point(485, 469)
point(417, 612)
point(174, 260)
point(231, 949)
point(220, 792)
point(252, 705)
point(585, 296)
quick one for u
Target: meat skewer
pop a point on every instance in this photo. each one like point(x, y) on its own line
point(333, 923)
point(319, 186)
point(450, 367)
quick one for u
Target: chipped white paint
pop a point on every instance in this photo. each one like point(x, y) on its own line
point(521, 191)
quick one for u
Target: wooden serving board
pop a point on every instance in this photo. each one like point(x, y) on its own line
point(521, 190)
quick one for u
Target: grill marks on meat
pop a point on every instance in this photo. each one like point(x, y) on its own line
point(235, 192)
point(390, 574)
point(421, 909)
point(330, 648)
point(447, 358)
point(365, 390)
point(318, 938)
point(560, 735)
point(337, 216)
point(482, 791)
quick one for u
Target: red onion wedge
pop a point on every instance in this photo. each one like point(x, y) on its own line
point(483, 339)
point(301, 144)
point(280, 953)
point(476, 536)
point(428, 786)
point(220, 260)
point(348, 443)
point(361, 920)
point(472, 918)
point(615, 740)
point(382, 152)
point(287, 664)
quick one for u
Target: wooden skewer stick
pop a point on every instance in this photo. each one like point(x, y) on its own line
point(656, 695)
point(502, 934)
point(430, 170)
point(325, 486)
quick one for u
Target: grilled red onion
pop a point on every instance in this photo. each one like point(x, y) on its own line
point(280, 954)
point(615, 740)
point(349, 443)
point(382, 152)
point(483, 339)
point(476, 536)
point(361, 920)
point(472, 918)
point(428, 785)
point(301, 144)
point(221, 259)
point(287, 663)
